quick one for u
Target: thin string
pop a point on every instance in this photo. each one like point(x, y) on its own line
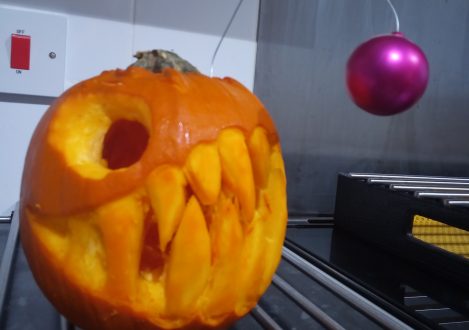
point(223, 36)
point(396, 17)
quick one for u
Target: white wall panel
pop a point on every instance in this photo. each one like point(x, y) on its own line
point(16, 126)
point(96, 45)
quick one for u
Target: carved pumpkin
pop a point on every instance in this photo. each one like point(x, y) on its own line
point(154, 200)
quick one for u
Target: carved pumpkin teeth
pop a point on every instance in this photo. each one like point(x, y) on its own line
point(274, 208)
point(121, 224)
point(276, 160)
point(259, 149)
point(267, 234)
point(251, 265)
point(227, 237)
point(85, 251)
point(237, 169)
point(203, 171)
point(167, 192)
point(221, 241)
point(188, 272)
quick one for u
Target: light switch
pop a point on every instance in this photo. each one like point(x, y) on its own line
point(32, 51)
point(20, 51)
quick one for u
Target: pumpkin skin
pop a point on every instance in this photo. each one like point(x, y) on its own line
point(183, 229)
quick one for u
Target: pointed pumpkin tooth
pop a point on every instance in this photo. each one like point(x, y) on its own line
point(227, 239)
point(276, 160)
point(259, 149)
point(166, 189)
point(237, 169)
point(189, 261)
point(203, 171)
point(249, 276)
point(273, 206)
point(86, 252)
point(121, 224)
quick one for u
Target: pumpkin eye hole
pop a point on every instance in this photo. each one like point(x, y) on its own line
point(124, 143)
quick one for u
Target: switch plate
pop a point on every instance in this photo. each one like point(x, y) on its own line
point(48, 33)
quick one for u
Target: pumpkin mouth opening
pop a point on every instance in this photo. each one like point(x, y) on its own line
point(152, 260)
point(124, 143)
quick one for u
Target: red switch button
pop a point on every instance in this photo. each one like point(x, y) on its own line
point(20, 51)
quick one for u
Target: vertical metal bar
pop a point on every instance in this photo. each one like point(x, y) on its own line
point(306, 305)
point(7, 261)
point(65, 324)
point(265, 319)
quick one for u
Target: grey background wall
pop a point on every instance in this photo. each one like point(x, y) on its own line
point(303, 46)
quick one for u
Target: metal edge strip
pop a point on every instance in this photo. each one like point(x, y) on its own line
point(5, 219)
point(7, 262)
point(264, 319)
point(309, 307)
point(404, 177)
point(441, 195)
point(65, 324)
point(427, 188)
point(420, 182)
point(353, 298)
point(456, 202)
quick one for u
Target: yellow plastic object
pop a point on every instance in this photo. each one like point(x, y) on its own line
point(446, 237)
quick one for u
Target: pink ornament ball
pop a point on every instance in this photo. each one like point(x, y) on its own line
point(387, 74)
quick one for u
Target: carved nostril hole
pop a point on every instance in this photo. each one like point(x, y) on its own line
point(124, 143)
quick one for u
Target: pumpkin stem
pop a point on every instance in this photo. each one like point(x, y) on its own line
point(157, 60)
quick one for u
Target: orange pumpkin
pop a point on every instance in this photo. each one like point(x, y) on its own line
point(154, 200)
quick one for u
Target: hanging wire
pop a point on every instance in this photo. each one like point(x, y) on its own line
point(396, 17)
point(223, 36)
